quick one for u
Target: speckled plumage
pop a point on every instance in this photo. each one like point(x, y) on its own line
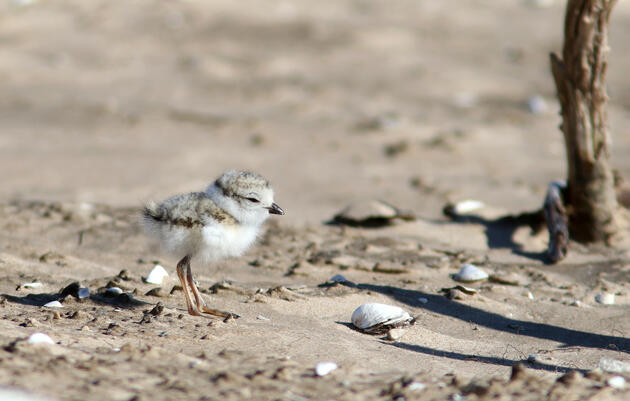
point(219, 223)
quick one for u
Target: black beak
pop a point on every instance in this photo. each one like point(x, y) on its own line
point(275, 209)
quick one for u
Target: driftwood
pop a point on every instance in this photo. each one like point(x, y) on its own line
point(580, 77)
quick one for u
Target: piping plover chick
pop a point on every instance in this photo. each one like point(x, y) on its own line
point(221, 222)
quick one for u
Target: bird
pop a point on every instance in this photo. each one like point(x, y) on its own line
point(221, 222)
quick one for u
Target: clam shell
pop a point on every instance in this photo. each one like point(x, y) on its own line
point(469, 273)
point(379, 318)
point(53, 304)
point(323, 368)
point(370, 213)
point(157, 275)
point(40, 338)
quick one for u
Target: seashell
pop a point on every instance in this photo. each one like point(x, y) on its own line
point(323, 368)
point(370, 213)
point(53, 304)
point(467, 206)
point(470, 273)
point(616, 382)
point(416, 386)
point(114, 291)
point(157, 275)
point(83, 292)
point(376, 318)
point(32, 285)
point(605, 298)
point(338, 278)
point(40, 338)
point(614, 366)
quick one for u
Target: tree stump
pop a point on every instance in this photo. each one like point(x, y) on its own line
point(580, 77)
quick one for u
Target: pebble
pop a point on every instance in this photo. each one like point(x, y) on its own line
point(261, 317)
point(157, 275)
point(423, 300)
point(605, 298)
point(53, 304)
point(324, 368)
point(40, 338)
point(83, 292)
point(416, 386)
point(533, 358)
point(470, 273)
point(32, 285)
point(114, 291)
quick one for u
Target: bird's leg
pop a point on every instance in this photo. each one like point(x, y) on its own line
point(192, 308)
point(201, 304)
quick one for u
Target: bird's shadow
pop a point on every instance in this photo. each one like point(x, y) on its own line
point(500, 231)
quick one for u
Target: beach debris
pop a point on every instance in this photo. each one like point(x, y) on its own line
point(557, 221)
point(458, 292)
point(40, 338)
point(261, 317)
point(536, 104)
point(470, 273)
point(605, 298)
point(466, 206)
point(371, 213)
point(32, 285)
point(157, 275)
point(53, 304)
point(416, 386)
point(529, 295)
point(324, 368)
point(113, 291)
point(504, 279)
point(375, 318)
point(533, 358)
point(614, 366)
point(616, 382)
point(75, 290)
point(338, 278)
point(423, 300)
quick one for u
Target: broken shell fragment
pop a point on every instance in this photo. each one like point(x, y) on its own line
point(323, 368)
point(32, 285)
point(157, 275)
point(374, 318)
point(40, 338)
point(470, 273)
point(53, 304)
point(371, 213)
point(605, 298)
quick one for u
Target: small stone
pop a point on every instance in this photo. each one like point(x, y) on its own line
point(85, 328)
point(533, 358)
point(324, 368)
point(423, 300)
point(113, 291)
point(416, 386)
point(53, 304)
point(338, 278)
point(536, 104)
point(261, 317)
point(529, 295)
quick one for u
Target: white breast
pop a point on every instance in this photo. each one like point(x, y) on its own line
point(221, 242)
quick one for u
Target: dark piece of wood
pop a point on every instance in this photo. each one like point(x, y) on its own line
point(580, 77)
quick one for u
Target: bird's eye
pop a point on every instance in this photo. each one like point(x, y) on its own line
point(253, 200)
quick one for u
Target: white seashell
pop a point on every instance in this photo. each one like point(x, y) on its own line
point(605, 298)
point(114, 290)
point(338, 278)
point(32, 285)
point(416, 386)
point(323, 368)
point(467, 206)
point(83, 292)
point(14, 394)
point(53, 304)
point(469, 273)
point(376, 318)
point(157, 275)
point(617, 382)
point(614, 365)
point(40, 338)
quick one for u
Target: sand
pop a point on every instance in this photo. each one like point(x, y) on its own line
point(107, 105)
